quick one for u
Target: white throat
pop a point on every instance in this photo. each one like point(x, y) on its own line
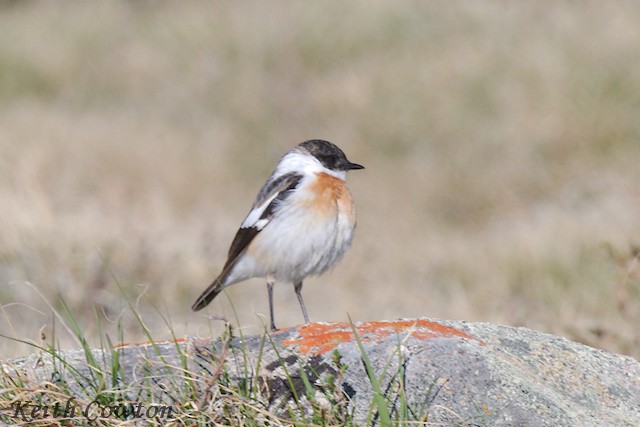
point(295, 161)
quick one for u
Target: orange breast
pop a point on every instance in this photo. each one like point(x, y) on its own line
point(331, 197)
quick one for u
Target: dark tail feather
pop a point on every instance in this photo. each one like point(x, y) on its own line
point(208, 295)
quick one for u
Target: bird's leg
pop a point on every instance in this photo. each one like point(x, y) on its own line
point(298, 287)
point(270, 283)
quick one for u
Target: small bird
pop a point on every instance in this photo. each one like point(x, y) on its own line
point(301, 223)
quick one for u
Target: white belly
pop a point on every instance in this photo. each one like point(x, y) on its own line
point(295, 244)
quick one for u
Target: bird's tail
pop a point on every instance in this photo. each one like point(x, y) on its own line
point(208, 295)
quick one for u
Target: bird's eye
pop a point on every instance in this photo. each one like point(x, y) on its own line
point(326, 159)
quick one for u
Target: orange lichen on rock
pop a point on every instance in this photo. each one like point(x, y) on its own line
point(320, 338)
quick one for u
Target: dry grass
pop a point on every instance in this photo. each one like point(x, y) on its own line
point(501, 141)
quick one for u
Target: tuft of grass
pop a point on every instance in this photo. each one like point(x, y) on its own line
point(220, 394)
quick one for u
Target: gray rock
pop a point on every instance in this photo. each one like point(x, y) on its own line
point(448, 372)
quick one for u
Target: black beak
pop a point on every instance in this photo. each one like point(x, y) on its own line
point(351, 166)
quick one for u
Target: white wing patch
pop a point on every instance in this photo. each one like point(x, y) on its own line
point(261, 223)
point(253, 219)
point(274, 188)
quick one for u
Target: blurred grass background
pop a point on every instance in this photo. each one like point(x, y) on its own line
point(501, 140)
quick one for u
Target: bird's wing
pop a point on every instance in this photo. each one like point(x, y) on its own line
point(273, 192)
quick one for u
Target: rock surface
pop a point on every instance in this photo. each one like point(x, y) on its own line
point(449, 372)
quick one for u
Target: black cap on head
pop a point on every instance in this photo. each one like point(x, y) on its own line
point(330, 155)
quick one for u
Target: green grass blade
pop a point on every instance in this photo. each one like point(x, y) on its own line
point(378, 396)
